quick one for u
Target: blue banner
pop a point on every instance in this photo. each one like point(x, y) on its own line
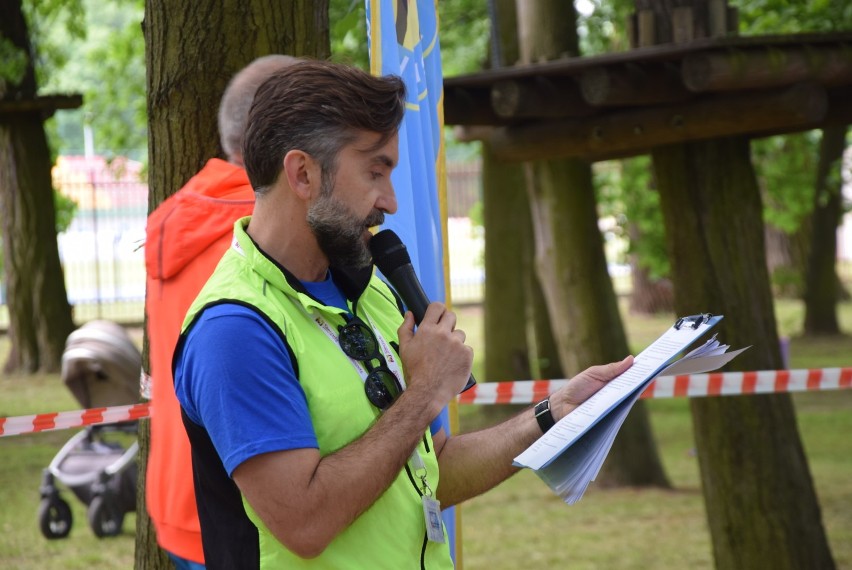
point(403, 41)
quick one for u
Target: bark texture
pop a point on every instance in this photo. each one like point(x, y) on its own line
point(39, 314)
point(570, 258)
point(761, 505)
point(218, 38)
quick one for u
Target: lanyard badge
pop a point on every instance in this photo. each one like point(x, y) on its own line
point(431, 505)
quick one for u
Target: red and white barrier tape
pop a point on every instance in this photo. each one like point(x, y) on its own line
point(694, 385)
point(515, 392)
point(78, 418)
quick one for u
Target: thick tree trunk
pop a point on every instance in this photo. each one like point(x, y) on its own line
point(821, 280)
point(39, 314)
point(219, 38)
point(761, 506)
point(571, 263)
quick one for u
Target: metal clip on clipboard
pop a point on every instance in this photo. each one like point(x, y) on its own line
point(694, 321)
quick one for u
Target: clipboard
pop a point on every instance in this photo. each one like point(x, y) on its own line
point(591, 428)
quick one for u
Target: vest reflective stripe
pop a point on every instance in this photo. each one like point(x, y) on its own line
point(391, 533)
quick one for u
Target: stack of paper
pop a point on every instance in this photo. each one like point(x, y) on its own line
point(590, 430)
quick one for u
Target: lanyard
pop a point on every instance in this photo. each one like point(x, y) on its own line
point(417, 464)
point(387, 352)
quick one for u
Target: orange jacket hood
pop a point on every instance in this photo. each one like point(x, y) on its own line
point(188, 222)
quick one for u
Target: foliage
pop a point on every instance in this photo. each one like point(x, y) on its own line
point(464, 28)
point(625, 191)
point(792, 16)
point(465, 32)
point(348, 32)
point(108, 67)
point(53, 24)
point(786, 165)
point(65, 209)
point(13, 64)
point(785, 168)
point(601, 25)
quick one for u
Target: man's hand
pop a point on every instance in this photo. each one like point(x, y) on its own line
point(436, 359)
point(582, 386)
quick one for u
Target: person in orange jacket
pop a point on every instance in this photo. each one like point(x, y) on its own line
point(186, 236)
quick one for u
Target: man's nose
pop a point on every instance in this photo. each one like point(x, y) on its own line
point(386, 201)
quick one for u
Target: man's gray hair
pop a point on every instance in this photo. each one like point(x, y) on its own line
point(236, 102)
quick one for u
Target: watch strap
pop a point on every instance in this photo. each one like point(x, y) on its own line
point(543, 415)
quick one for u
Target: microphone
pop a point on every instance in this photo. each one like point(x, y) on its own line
point(392, 259)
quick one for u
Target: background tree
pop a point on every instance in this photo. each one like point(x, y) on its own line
point(39, 313)
point(518, 338)
point(183, 100)
point(822, 284)
point(803, 184)
point(108, 68)
point(570, 259)
point(762, 509)
point(625, 188)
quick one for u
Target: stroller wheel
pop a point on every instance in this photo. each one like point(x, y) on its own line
point(104, 517)
point(54, 517)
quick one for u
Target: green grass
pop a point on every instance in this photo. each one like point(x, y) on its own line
point(519, 524)
point(523, 524)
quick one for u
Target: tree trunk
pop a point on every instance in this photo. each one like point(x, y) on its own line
point(761, 506)
point(518, 339)
point(571, 263)
point(821, 280)
point(507, 238)
point(183, 101)
point(786, 258)
point(648, 296)
point(506, 216)
point(39, 314)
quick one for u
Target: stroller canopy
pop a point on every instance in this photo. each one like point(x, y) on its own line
point(100, 365)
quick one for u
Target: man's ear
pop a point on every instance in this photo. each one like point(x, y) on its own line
point(303, 174)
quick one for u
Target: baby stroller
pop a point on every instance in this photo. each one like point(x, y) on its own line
point(100, 366)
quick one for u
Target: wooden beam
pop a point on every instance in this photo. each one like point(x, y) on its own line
point(633, 84)
point(541, 97)
point(46, 105)
point(738, 69)
point(469, 106)
point(633, 132)
point(838, 113)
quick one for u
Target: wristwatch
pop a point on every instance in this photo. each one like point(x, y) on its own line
point(543, 416)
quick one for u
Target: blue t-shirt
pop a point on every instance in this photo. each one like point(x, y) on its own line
point(235, 378)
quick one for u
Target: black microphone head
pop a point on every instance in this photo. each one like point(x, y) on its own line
point(389, 253)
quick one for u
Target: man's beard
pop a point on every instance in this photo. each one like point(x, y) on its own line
point(340, 233)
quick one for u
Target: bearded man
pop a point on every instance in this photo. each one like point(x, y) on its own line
point(310, 402)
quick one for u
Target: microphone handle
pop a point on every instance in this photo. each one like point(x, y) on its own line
point(406, 283)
